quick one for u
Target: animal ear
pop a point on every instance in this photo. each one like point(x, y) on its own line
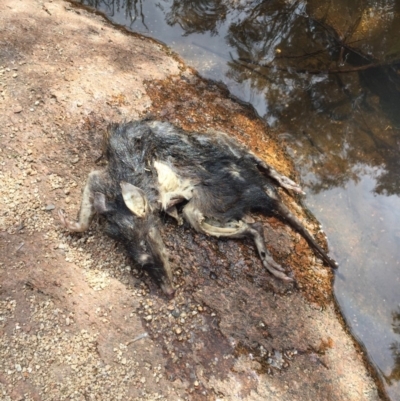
point(135, 199)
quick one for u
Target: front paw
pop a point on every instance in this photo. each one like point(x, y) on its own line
point(289, 184)
point(69, 225)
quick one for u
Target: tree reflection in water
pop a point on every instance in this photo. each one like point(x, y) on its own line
point(304, 64)
point(133, 9)
point(197, 16)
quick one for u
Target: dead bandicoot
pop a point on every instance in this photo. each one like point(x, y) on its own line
point(210, 180)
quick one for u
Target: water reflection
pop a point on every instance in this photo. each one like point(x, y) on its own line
point(293, 57)
point(132, 10)
point(327, 76)
point(197, 16)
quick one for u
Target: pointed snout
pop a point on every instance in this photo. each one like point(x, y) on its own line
point(158, 274)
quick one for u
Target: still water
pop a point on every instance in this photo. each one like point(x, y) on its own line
point(327, 78)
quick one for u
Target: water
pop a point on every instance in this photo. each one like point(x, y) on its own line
point(323, 76)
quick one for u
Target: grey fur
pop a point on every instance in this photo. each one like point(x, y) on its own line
point(156, 167)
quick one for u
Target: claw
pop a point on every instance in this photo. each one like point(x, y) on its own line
point(276, 269)
point(287, 183)
point(61, 217)
point(73, 226)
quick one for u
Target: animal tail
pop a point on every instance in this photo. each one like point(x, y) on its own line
point(294, 222)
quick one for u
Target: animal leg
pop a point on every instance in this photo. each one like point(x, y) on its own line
point(283, 181)
point(86, 211)
point(236, 229)
point(171, 209)
point(239, 150)
point(256, 231)
point(172, 188)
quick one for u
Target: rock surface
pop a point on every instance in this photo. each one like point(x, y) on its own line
point(75, 323)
